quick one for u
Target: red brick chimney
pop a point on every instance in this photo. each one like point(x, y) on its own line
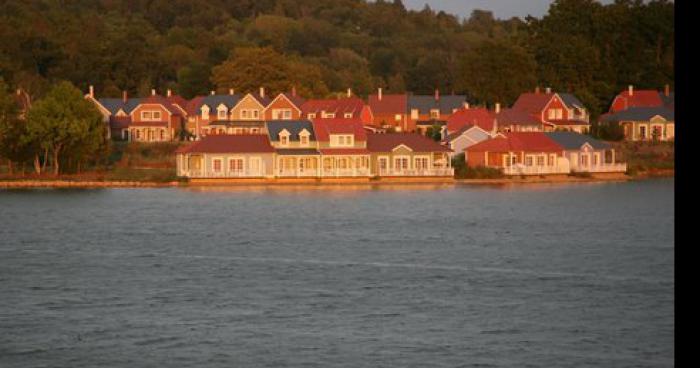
point(125, 96)
point(379, 93)
point(92, 91)
point(437, 94)
point(630, 90)
point(349, 93)
point(231, 91)
point(169, 92)
point(667, 90)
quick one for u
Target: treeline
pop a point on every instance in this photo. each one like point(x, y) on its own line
point(326, 46)
point(61, 132)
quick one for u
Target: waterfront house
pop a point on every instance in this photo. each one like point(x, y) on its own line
point(390, 111)
point(407, 155)
point(587, 154)
point(155, 119)
point(643, 115)
point(470, 116)
point(296, 148)
point(519, 153)
point(204, 112)
point(511, 120)
point(555, 111)
point(227, 156)
point(342, 143)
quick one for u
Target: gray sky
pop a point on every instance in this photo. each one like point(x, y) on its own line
point(503, 9)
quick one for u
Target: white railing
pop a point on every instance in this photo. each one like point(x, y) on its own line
point(297, 173)
point(448, 171)
point(345, 172)
point(224, 174)
point(533, 170)
point(604, 168)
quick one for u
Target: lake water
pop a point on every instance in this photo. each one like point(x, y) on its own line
point(409, 276)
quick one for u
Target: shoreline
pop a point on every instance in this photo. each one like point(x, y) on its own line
point(62, 183)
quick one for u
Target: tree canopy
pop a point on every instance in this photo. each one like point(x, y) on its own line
point(326, 46)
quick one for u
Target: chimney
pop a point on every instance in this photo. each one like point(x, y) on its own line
point(466, 105)
point(294, 91)
point(153, 92)
point(125, 96)
point(437, 95)
point(379, 94)
point(230, 91)
point(349, 92)
point(92, 91)
point(170, 93)
point(497, 109)
point(667, 90)
point(212, 93)
point(537, 90)
point(19, 91)
point(548, 90)
point(630, 90)
point(262, 91)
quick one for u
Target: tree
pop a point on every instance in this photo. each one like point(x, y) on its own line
point(12, 130)
point(63, 121)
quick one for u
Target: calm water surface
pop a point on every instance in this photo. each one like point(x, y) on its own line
point(412, 276)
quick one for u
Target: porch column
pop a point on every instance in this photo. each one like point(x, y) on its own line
point(612, 156)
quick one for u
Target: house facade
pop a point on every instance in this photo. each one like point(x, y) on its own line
point(555, 111)
point(644, 115)
point(466, 136)
point(425, 111)
point(390, 111)
point(408, 155)
point(538, 153)
point(227, 156)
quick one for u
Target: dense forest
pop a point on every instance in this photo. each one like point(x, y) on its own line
point(325, 46)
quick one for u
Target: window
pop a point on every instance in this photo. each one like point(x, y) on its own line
point(348, 115)
point(162, 134)
point(216, 165)
point(205, 112)
point(550, 161)
point(435, 114)
point(559, 114)
point(551, 114)
point(584, 160)
point(256, 114)
point(401, 163)
point(595, 159)
point(642, 132)
point(414, 114)
point(281, 114)
point(312, 116)
point(222, 114)
point(235, 165)
point(284, 138)
point(244, 114)
point(540, 160)
point(397, 117)
point(528, 160)
point(344, 140)
point(138, 134)
point(421, 163)
point(254, 130)
point(304, 140)
point(146, 115)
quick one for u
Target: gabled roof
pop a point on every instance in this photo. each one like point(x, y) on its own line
point(425, 103)
point(532, 102)
point(641, 98)
point(639, 114)
point(452, 136)
point(160, 100)
point(246, 143)
point(297, 100)
point(294, 127)
point(571, 140)
point(263, 100)
point(387, 142)
point(113, 105)
point(516, 117)
point(212, 101)
point(473, 116)
point(339, 106)
point(389, 104)
point(325, 127)
point(571, 101)
point(520, 141)
point(119, 122)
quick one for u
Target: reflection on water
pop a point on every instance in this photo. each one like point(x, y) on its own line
point(555, 275)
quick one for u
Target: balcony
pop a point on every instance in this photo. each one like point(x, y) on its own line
point(417, 172)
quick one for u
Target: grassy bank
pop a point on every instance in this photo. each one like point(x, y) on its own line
point(646, 159)
point(133, 162)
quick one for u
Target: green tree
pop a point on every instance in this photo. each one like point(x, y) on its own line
point(63, 121)
point(12, 130)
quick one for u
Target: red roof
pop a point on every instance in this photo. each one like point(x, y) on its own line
point(325, 127)
point(378, 142)
point(641, 98)
point(520, 141)
point(516, 117)
point(247, 143)
point(178, 101)
point(339, 106)
point(532, 103)
point(480, 117)
point(389, 104)
point(160, 100)
point(193, 105)
point(163, 123)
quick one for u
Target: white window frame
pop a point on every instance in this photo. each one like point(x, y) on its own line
point(236, 158)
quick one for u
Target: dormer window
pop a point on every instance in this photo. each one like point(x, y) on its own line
point(205, 112)
point(284, 137)
point(311, 116)
point(304, 138)
point(342, 140)
point(435, 114)
point(221, 112)
point(327, 115)
point(414, 114)
point(348, 115)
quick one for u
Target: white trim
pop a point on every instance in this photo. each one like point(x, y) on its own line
point(401, 145)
